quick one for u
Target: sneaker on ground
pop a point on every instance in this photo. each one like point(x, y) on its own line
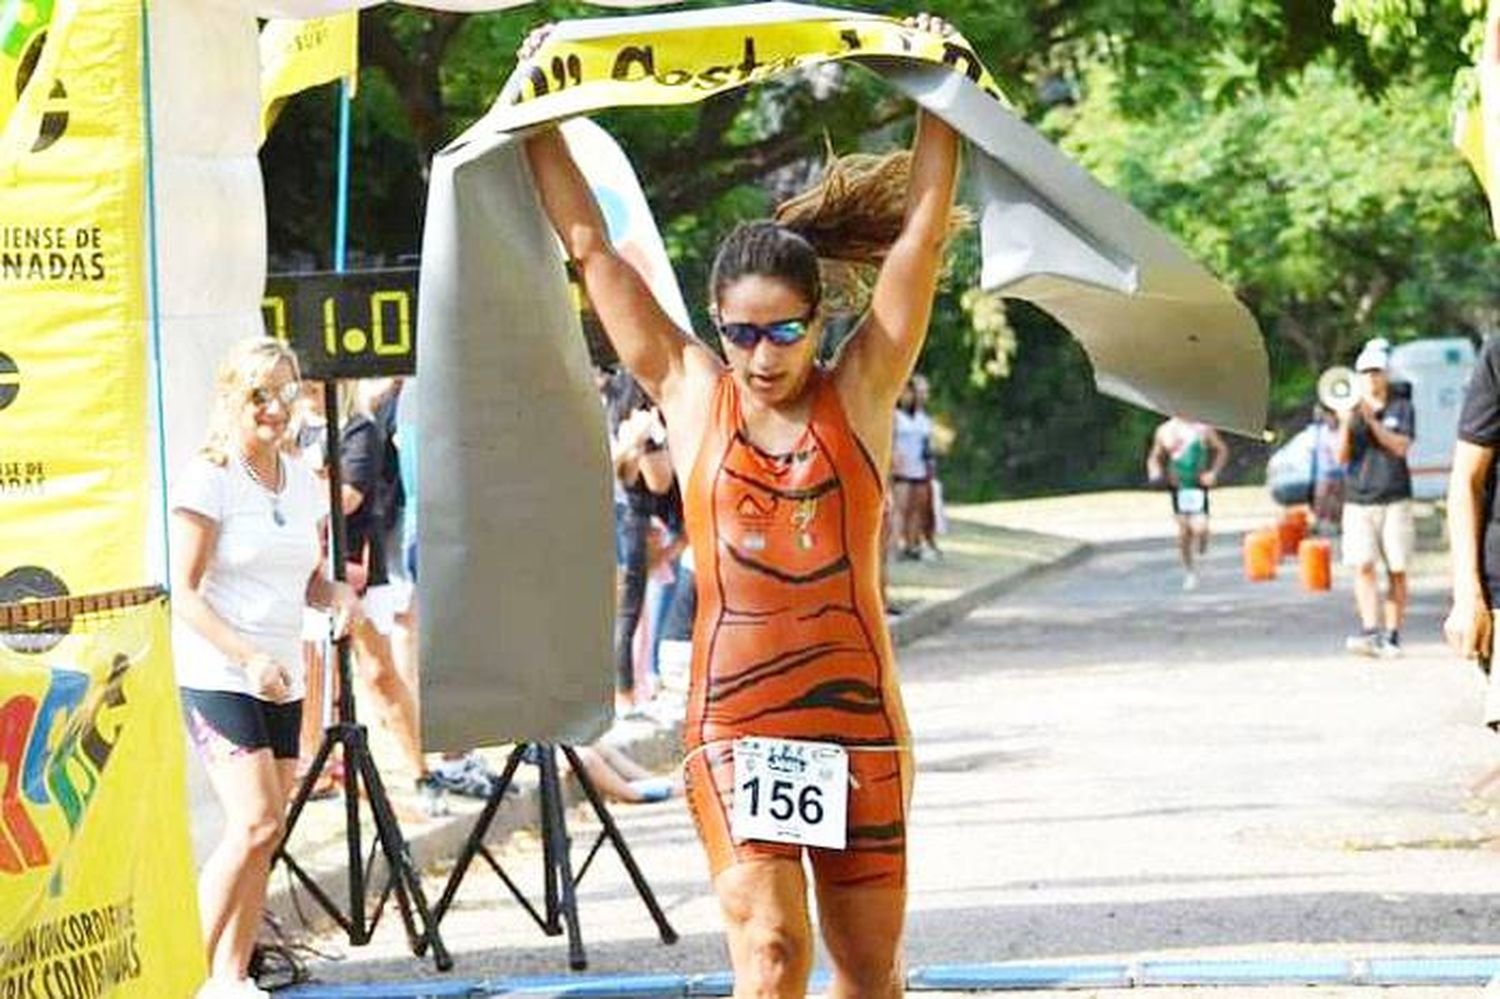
point(249, 990)
point(434, 796)
point(1189, 581)
point(1388, 647)
point(469, 776)
point(230, 988)
point(1364, 644)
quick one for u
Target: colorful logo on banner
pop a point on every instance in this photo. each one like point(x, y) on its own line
point(73, 461)
point(96, 869)
point(684, 65)
point(23, 29)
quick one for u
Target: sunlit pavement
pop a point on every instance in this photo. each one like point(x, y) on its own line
point(1112, 770)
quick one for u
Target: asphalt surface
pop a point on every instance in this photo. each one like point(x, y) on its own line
point(1113, 769)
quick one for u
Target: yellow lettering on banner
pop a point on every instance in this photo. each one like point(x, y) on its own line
point(96, 869)
point(683, 66)
point(72, 274)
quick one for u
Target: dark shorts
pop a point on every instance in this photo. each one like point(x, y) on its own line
point(247, 722)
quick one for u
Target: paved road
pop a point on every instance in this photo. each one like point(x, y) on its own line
point(1111, 768)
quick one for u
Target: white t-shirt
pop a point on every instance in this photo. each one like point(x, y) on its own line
point(909, 447)
point(256, 578)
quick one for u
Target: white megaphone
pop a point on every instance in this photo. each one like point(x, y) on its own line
point(1338, 389)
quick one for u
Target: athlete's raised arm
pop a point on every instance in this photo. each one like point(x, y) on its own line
point(883, 351)
point(649, 344)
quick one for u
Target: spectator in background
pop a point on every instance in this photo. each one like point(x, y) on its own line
point(367, 468)
point(643, 471)
point(1374, 437)
point(245, 554)
point(1328, 472)
point(307, 442)
point(911, 471)
point(930, 510)
point(621, 778)
point(1187, 456)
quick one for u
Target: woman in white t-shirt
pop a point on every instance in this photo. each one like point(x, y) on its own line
point(245, 554)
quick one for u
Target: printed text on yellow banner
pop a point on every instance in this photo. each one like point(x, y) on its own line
point(574, 76)
point(96, 870)
point(73, 458)
point(296, 55)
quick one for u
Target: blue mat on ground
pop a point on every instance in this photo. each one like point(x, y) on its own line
point(1433, 970)
point(999, 977)
point(441, 988)
point(594, 986)
point(1273, 971)
point(1007, 976)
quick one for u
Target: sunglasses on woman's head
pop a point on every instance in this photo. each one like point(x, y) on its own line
point(783, 333)
point(286, 395)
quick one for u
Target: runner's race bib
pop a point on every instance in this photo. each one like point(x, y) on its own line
point(1190, 501)
point(786, 791)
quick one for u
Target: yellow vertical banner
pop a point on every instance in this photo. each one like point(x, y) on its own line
point(1487, 149)
point(96, 868)
point(298, 54)
point(74, 474)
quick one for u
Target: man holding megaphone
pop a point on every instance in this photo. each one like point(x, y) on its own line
point(1375, 435)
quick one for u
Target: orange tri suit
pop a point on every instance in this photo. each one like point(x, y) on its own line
point(790, 638)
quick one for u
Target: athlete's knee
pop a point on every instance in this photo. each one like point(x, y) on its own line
point(876, 975)
point(778, 954)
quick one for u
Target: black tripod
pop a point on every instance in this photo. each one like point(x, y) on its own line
point(359, 765)
point(560, 899)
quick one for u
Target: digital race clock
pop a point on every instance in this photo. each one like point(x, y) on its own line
point(358, 324)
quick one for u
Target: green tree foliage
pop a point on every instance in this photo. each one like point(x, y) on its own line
point(1335, 215)
point(1298, 152)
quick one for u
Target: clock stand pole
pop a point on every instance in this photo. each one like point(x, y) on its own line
point(360, 777)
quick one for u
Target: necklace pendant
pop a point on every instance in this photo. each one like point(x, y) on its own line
point(277, 517)
point(805, 541)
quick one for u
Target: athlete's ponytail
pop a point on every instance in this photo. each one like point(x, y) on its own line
point(856, 211)
point(849, 219)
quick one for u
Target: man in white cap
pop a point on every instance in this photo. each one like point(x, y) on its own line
point(1374, 438)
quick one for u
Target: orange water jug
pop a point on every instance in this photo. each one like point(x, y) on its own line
point(1290, 530)
point(1315, 560)
point(1262, 552)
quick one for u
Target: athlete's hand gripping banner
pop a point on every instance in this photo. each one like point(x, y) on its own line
point(74, 473)
point(96, 879)
point(626, 61)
